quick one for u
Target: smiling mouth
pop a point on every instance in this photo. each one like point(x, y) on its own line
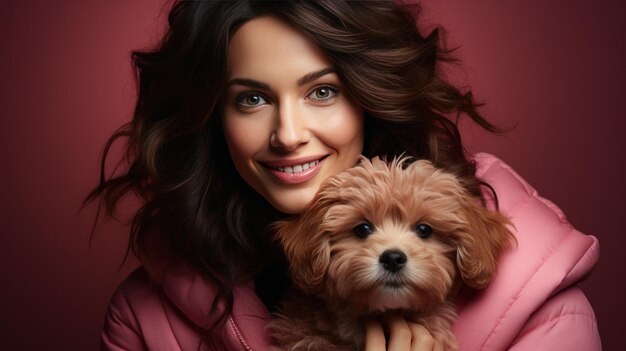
point(297, 168)
point(295, 173)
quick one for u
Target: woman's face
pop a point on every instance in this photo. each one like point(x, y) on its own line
point(288, 120)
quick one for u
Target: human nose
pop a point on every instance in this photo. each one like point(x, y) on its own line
point(291, 130)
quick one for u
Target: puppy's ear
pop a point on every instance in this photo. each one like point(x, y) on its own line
point(481, 242)
point(306, 246)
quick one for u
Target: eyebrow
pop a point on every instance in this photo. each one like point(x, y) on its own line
point(249, 83)
point(307, 78)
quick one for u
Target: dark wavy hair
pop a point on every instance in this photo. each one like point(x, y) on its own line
point(177, 158)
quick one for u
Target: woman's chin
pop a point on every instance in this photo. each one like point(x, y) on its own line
point(293, 203)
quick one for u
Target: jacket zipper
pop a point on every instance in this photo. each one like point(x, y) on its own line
point(243, 342)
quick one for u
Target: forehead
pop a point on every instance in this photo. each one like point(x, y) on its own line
point(266, 47)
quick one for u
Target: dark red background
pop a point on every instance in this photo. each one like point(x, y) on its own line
point(556, 68)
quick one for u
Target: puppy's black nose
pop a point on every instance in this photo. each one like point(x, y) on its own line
point(392, 260)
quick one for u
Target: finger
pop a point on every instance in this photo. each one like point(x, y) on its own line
point(374, 336)
point(399, 333)
point(422, 339)
point(438, 345)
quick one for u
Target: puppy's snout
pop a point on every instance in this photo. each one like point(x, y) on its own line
point(392, 260)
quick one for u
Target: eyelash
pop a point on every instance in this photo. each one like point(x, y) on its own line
point(244, 95)
point(334, 89)
point(241, 97)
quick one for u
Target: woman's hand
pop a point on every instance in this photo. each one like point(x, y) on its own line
point(403, 335)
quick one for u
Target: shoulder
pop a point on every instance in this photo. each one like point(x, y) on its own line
point(141, 317)
point(539, 224)
point(511, 189)
point(175, 313)
point(550, 256)
point(122, 328)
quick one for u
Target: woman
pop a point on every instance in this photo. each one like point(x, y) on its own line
point(243, 110)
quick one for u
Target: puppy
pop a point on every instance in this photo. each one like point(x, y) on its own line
point(379, 238)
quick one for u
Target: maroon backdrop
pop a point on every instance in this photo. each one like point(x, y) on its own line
point(555, 68)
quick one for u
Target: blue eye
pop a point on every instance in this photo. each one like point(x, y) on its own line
point(323, 93)
point(251, 100)
point(363, 230)
point(423, 230)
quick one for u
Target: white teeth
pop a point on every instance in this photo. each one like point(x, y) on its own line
point(297, 168)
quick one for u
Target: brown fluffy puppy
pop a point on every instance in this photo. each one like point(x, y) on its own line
point(377, 238)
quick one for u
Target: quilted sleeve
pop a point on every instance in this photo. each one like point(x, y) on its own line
point(564, 322)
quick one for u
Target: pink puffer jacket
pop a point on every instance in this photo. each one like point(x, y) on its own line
point(533, 302)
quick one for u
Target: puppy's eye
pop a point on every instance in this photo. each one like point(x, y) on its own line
point(423, 230)
point(363, 230)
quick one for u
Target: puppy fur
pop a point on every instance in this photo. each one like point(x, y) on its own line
point(344, 274)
